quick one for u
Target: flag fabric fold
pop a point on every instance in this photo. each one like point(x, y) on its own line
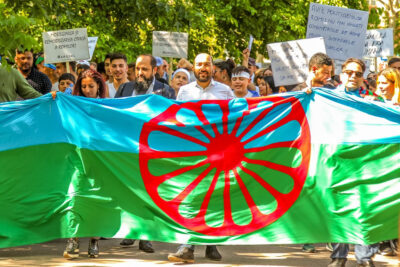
point(291, 168)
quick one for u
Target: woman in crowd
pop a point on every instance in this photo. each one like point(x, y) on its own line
point(89, 84)
point(264, 87)
point(388, 85)
point(180, 77)
point(223, 71)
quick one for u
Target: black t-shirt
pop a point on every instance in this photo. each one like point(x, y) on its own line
point(39, 81)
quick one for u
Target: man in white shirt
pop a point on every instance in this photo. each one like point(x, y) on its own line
point(119, 72)
point(204, 88)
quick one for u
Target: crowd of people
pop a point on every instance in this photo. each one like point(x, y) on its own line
point(205, 79)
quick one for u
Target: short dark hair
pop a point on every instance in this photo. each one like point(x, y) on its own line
point(108, 56)
point(132, 65)
point(240, 69)
point(318, 60)
point(115, 56)
point(100, 68)
point(22, 50)
point(354, 60)
point(227, 65)
point(67, 76)
point(393, 60)
point(153, 61)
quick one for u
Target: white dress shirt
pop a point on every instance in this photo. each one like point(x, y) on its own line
point(214, 91)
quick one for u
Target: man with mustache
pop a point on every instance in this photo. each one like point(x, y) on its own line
point(203, 88)
point(145, 83)
point(39, 81)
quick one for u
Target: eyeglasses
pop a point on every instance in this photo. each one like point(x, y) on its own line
point(350, 73)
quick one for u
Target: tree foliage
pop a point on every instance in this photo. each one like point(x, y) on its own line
point(220, 27)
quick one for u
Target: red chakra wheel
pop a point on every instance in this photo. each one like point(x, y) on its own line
point(229, 178)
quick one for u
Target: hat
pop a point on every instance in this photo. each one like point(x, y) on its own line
point(159, 61)
point(50, 66)
point(83, 62)
point(252, 61)
point(181, 70)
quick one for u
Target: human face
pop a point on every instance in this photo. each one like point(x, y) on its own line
point(264, 88)
point(131, 74)
point(352, 76)
point(179, 79)
point(24, 61)
point(107, 64)
point(203, 68)
point(322, 75)
point(60, 69)
point(64, 84)
point(144, 71)
point(119, 69)
point(89, 87)
point(218, 75)
point(395, 65)
point(268, 73)
point(239, 85)
point(385, 88)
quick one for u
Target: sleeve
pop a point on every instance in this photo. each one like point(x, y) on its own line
point(23, 88)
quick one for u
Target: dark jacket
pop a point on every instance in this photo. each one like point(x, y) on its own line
point(162, 89)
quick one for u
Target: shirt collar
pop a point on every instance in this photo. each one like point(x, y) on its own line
point(210, 85)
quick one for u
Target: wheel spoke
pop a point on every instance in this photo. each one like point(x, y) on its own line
point(207, 198)
point(227, 201)
point(177, 172)
point(287, 144)
point(277, 167)
point(191, 186)
point(170, 131)
point(275, 193)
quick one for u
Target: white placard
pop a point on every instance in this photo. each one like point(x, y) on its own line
point(289, 60)
point(65, 45)
point(92, 41)
point(170, 44)
point(343, 29)
point(250, 42)
point(379, 43)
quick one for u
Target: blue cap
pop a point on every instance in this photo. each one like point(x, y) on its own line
point(50, 66)
point(159, 61)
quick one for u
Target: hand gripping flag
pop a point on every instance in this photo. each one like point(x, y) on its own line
point(292, 168)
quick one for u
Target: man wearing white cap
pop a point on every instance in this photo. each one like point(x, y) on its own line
point(179, 78)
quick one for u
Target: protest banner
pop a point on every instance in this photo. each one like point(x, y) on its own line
point(170, 44)
point(65, 45)
point(379, 43)
point(244, 171)
point(289, 60)
point(343, 29)
point(92, 41)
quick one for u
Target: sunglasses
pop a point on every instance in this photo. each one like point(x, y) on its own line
point(350, 73)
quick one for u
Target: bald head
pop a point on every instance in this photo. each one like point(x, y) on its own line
point(203, 67)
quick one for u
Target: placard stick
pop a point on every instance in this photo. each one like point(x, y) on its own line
point(68, 69)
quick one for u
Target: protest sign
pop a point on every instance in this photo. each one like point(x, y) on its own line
point(379, 43)
point(170, 44)
point(65, 45)
point(343, 29)
point(250, 42)
point(289, 60)
point(92, 41)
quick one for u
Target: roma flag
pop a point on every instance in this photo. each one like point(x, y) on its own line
point(292, 168)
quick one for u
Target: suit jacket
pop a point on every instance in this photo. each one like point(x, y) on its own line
point(159, 88)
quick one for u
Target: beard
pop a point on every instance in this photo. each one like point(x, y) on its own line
point(143, 84)
point(206, 76)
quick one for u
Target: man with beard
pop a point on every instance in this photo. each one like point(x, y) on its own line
point(145, 83)
point(39, 81)
point(204, 88)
